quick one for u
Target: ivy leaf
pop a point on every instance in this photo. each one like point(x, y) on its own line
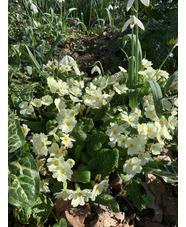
point(15, 135)
point(61, 223)
point(164, 169)
point(107, 200)
point(104, 161)
point(24, 181)
point(82, 174)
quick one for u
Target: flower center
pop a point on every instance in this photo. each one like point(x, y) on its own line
point(65, 139)
point(56, 152)
point(141, 155)
point(56, 163)
point(97, 187)
point(131, 164)
point(62, 171)
point(27, 107)
point(131, 145)
point(152, 111)
point(43, 144)
point(129, 119)
point(148, 130)
point(115, 132)
point(68, 124)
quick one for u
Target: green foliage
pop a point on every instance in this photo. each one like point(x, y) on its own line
point(82, 174)
point(24, 181)
point(164, 169)
point(15, 135)
point(104, 161)
point(38, 212)
point(107, 200)
point(61, 223)
point(157, 97)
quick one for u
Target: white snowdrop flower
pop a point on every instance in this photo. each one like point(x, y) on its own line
point(76, 91)
point(26, 108)
point(96, 69)
point(60, 104)
point(98, 189)
point(110, 7)
point(36, 102)
point(150, 112)
point(67, 124)
point(55, 150)
point(64, 194)
point(46, 100)
point(80, 197)
point(62, 88)
point(66, 60)
point(132, 166)
point(130, 3)
point(145, 157)
point(146, 63)
point(166, 104)
point(132, 21)
point(63, 172)
point(55, 162)
point(133, 145)
point(156, 148)
point(131, 119)
point(76, 70)
point(33, 8)
point(39, 144)
point(172, 122)
point(52, 83)
point(120, 88)
point(25, 129)
point(67, 141)
point(44, 186)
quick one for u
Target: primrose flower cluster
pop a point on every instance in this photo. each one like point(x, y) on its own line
point(137, 131)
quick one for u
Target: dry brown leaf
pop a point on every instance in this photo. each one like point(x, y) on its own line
point(117, 183)
point(60, 207)
point(107, 218)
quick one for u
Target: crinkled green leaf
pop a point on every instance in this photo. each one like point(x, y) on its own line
point(165, 169)
point(61, 223)
point(78, 132)
point(15, 135)
point(104, 161)
point(107, 200)
point(35, 126)
point(24, 181)
point(82, 174)
point(101, 113)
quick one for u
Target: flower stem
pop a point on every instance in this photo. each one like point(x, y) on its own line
point(136, 51)
point(132, 64)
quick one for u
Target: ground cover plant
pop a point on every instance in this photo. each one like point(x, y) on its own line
point(95, 147)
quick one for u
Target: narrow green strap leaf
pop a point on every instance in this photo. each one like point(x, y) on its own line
point(157, 97)
point(52, 48)
point(172, 81)
point(68, 13)
point(164, 169)
point(133, 102)
point(32, 58)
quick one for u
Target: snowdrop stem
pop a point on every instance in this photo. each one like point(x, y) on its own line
point(100, 66)
point(136, 54)
point(132, 54)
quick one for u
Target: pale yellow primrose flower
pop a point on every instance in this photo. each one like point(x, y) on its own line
point(46, 100)
point(132, 166)
point(25, 129)
point(79, 197)
point(26, 108)
point(98, 189)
